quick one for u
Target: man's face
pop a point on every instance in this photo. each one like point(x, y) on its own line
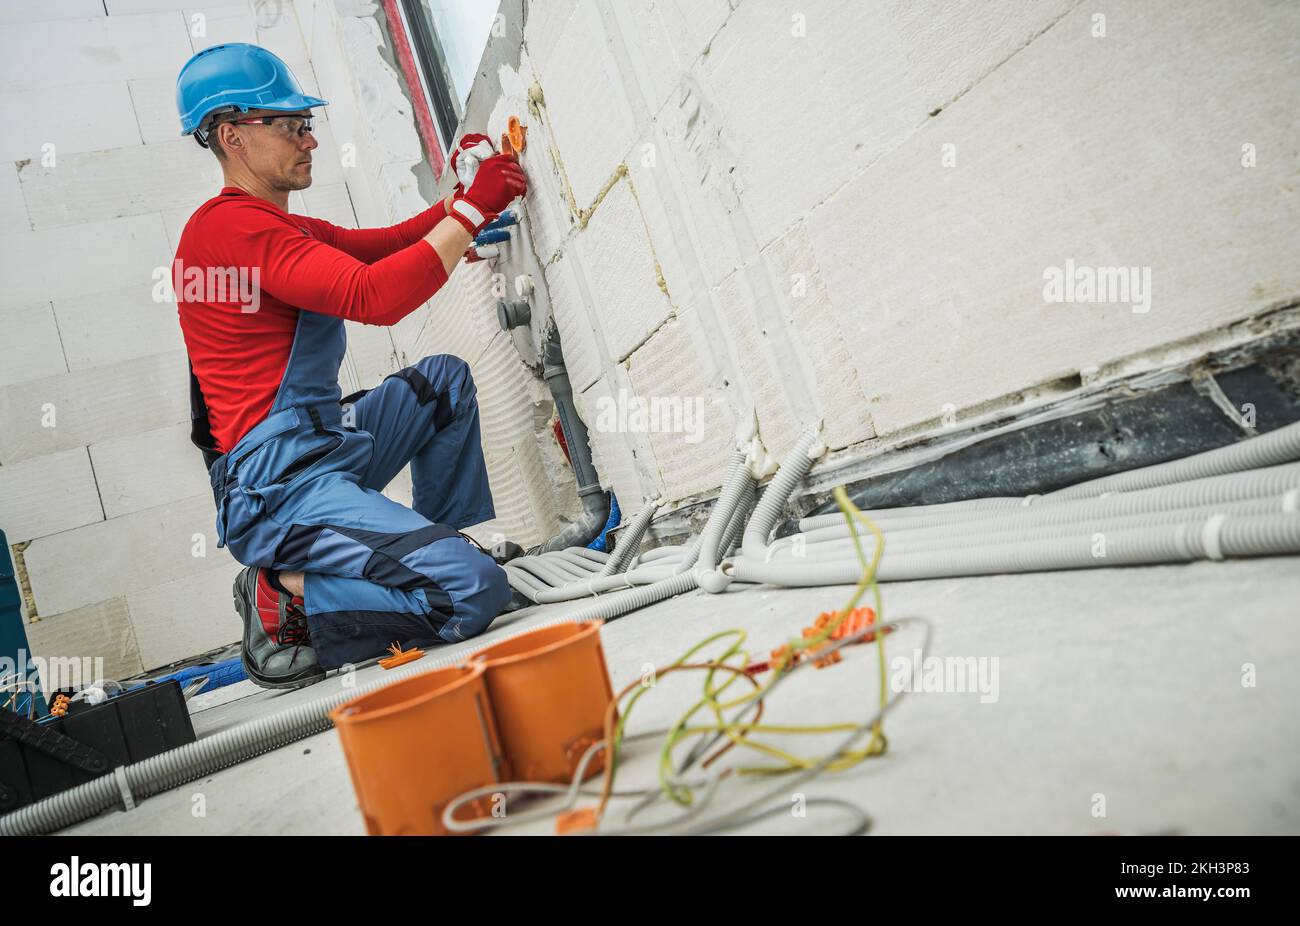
point(274, 152)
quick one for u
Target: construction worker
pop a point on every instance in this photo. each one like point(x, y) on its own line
point(336, 572)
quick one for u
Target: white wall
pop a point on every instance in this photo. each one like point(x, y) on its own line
point(785, 169)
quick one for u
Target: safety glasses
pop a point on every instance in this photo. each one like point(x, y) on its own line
point(289, 126)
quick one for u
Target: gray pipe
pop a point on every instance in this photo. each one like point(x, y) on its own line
point(997, 532)
point(595, 501)
point(1275, 481)
point(1271, 449)
point(739, 518)
point(566, 586)
point(740, 482)
point(1215, 537)
point(770, 506)
point(1280, 446)
point(630, 541)
point(881, 515)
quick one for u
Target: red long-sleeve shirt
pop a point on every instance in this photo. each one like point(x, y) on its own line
point(287, 264)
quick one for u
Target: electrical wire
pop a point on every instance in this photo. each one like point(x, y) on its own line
point(794, 655)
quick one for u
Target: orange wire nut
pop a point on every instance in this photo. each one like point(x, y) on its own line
point(549, 690)
point(857, 620)
point(400, 656)
point(60, 705)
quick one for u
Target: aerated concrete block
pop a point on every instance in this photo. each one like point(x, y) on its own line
point(331, 202)
point(11, 13)
point(33, 347)
point(187, 616)
point(690, 450)
point(13, 211)
point(96, 50)
point(586, 104)
point(845, 83)
point(663, 39)
point(75, 259)
point(156, 467)
point(623, 460)
point(103, 328)
point(618, 262)
point(543, 27)
point(74, 409)
point(768, 379)
point(583, 355)
point(112, 558)
point(102, 185)
point(60, 120)
point(48, 494)
point(797, 280)
point(939, 272)
point(101, 630)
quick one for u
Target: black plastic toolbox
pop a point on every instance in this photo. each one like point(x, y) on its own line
point(123, 730)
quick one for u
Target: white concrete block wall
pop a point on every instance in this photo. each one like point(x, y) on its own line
point(102, 497)
point(823, 259)
point(1046, 171)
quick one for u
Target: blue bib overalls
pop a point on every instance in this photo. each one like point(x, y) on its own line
point(301, 492)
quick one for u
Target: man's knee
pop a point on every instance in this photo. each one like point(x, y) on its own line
point(437, 374)
point(483, 592)
point(449, 373)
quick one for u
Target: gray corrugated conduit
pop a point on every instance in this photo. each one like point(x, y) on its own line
point(1000, 531)
point(630, 541)
point(738, 486)
point(568, 576)
point(883, 515)
point(1217, 536)
point(1268, 488)
point(1212, 506)
point(1271, 449)
point(769, 508)
point(1279, 446)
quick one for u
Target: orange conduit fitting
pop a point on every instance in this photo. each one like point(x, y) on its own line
point(515, 138)
point(414, 745)
point(549, 690)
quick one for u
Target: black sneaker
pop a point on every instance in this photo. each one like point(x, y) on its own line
point(504, 551)
point(285, 660)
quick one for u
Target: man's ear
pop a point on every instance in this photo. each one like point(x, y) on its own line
point(228, 141)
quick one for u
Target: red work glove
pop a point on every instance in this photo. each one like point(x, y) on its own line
point(498, 181)
point(466, 142)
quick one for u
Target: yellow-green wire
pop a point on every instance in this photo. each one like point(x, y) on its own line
point(740, 733)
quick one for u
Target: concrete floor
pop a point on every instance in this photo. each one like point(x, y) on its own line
point(1125, 683)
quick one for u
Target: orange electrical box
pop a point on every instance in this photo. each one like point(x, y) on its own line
point(414, 745)
point(549, 690)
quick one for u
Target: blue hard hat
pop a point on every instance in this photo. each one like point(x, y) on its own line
point(236, 76)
